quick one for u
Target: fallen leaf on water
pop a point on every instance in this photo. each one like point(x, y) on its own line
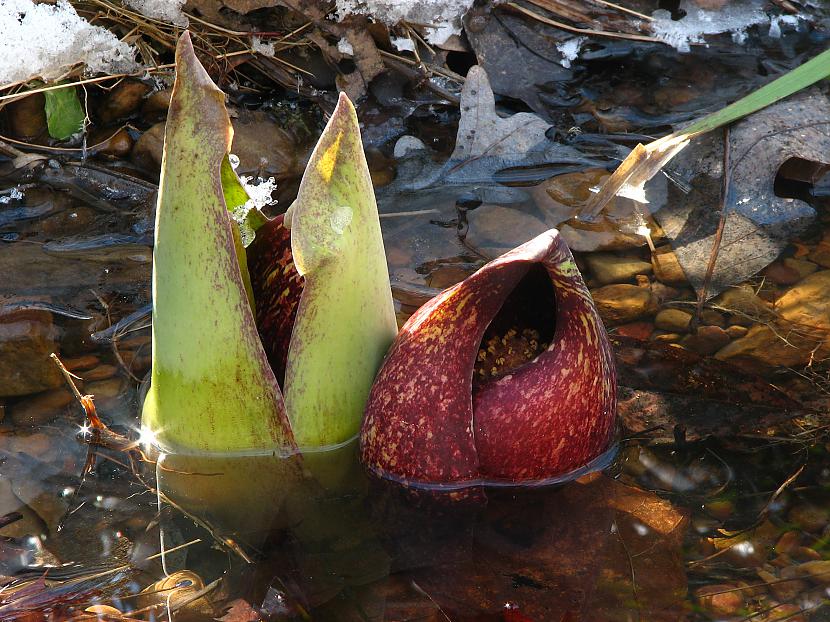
point(759, 224)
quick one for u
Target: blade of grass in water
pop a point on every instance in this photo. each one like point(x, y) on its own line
point(645, 161)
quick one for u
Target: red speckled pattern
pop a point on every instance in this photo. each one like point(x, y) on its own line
point(277, 287)
point(556, 413)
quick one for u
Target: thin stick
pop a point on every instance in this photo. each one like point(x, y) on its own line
point(713, 256)
point(416, 212)
point(70, 378)
point(623, 9)
point(582, 31)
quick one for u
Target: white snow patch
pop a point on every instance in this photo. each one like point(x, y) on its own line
point(261, 47)
point(344, 47)
point(776, 22)
point(735, 17)
point(442, 18)
point(259, 191)
point(15, 194)
point(402, 44)
point(42, 40)
point(570, 50)
point(406, 144)
point(164, 10)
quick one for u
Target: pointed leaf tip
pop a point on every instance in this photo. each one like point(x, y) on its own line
point(346, 318)
point(211, 389)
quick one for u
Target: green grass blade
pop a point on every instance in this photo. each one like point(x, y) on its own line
point(64, 113)
point(645, 161)
point(801, 77)
point(212, 389)
point(346, 318)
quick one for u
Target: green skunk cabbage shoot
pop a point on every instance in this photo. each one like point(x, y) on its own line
point(212, 387)
point(433, 418)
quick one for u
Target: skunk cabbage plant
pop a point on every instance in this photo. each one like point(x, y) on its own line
point(428, 423)
point(212, 389)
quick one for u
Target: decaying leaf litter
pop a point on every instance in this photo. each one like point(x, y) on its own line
point(746, 504)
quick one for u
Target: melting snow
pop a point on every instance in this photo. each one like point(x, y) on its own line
point(570, 50)
point(259, 191)
point(344, 47)
point(54, 38)
point(264, 48)
point(441, 17)
point(735, 17)
point(164, 10)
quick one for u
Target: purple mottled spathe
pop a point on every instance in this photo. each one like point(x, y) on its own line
point(425, 424)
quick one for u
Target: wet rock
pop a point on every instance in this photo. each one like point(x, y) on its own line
point(156, 104)
point(666, 266)
point(102, 372)
point(761, 345)
point(117, 145)
point(712, 318)
point(783, 590)
point(37, 445)
point(736, 331)
point(149, 147)
point(494, 229)
point(123, 100)
point(664, 293)
point(817, 571)
point(666, 337)
point(610, 268)
point(781, 274)
point(27, 117)
point(26, 340)
point(264, 149)
point(107, 393)
point(721, 599)
point(821, 253)
point(707, 340)
point(30, 524)
point(787, 543)
point(134, 342)
point(618, 304)
point(743, 305)
point(50, 508)
point(41, 408)
point(803, 267)
point(809, 517)
point(560, 198)
point(783, 613)
point(80, 363)
point(673, 320)
point(801, 329)
point(720, 508)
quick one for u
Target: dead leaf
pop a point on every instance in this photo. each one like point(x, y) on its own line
point(759, 224)
point(503, 43)
point(240, 611)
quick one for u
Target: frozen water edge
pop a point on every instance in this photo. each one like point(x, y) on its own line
point(442, 18)
point(164, 10)
point(734, 17)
